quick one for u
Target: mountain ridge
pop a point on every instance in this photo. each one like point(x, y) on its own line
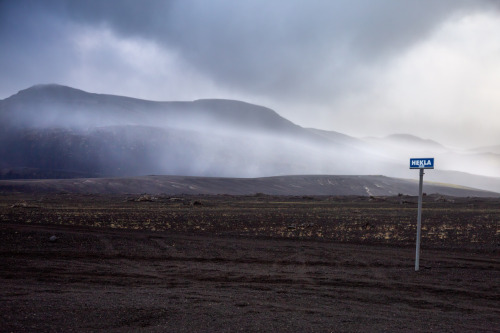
point(50, 130)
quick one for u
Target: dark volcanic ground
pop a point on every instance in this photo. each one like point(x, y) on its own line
point(297, 185)
point(252, 263)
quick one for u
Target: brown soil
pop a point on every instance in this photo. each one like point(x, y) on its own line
point(253, 263)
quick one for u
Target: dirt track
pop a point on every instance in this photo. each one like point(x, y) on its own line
point(179, 281)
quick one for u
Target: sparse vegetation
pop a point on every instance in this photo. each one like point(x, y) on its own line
point(448, 223)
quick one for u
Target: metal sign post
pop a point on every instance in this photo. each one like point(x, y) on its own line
point(421, 164)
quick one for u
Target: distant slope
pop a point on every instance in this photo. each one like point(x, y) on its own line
point(489, 149)
point(283, 185)
point(465, 179)
point(56, 106)
point(53, 131)
point(337, 137)
point(484, 161)
point(407, 140)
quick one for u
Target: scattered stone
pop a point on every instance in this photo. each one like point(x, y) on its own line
point(145, 198)
point(53, 238)
point(443, 199)
point(20, 204)
point(405, 202)
point(367, 226)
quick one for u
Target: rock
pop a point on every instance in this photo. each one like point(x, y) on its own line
point(53, 238)
point(22, 204)
point(145, 198)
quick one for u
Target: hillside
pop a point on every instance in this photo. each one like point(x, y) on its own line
point(55, 106)
point(53, 131)
point(283, 185)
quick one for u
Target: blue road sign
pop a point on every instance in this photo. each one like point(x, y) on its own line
point(422, 163)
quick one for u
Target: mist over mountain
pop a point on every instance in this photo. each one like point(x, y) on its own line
point(53, 131)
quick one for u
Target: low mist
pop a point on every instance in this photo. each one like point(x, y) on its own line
point(57, 128)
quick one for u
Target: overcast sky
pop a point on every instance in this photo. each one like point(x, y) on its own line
point(361, 67)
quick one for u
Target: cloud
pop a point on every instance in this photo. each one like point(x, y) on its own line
point(34, 43)
point(291, 49)
point(443, 87)
point(339, 65)
point(133, 66)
